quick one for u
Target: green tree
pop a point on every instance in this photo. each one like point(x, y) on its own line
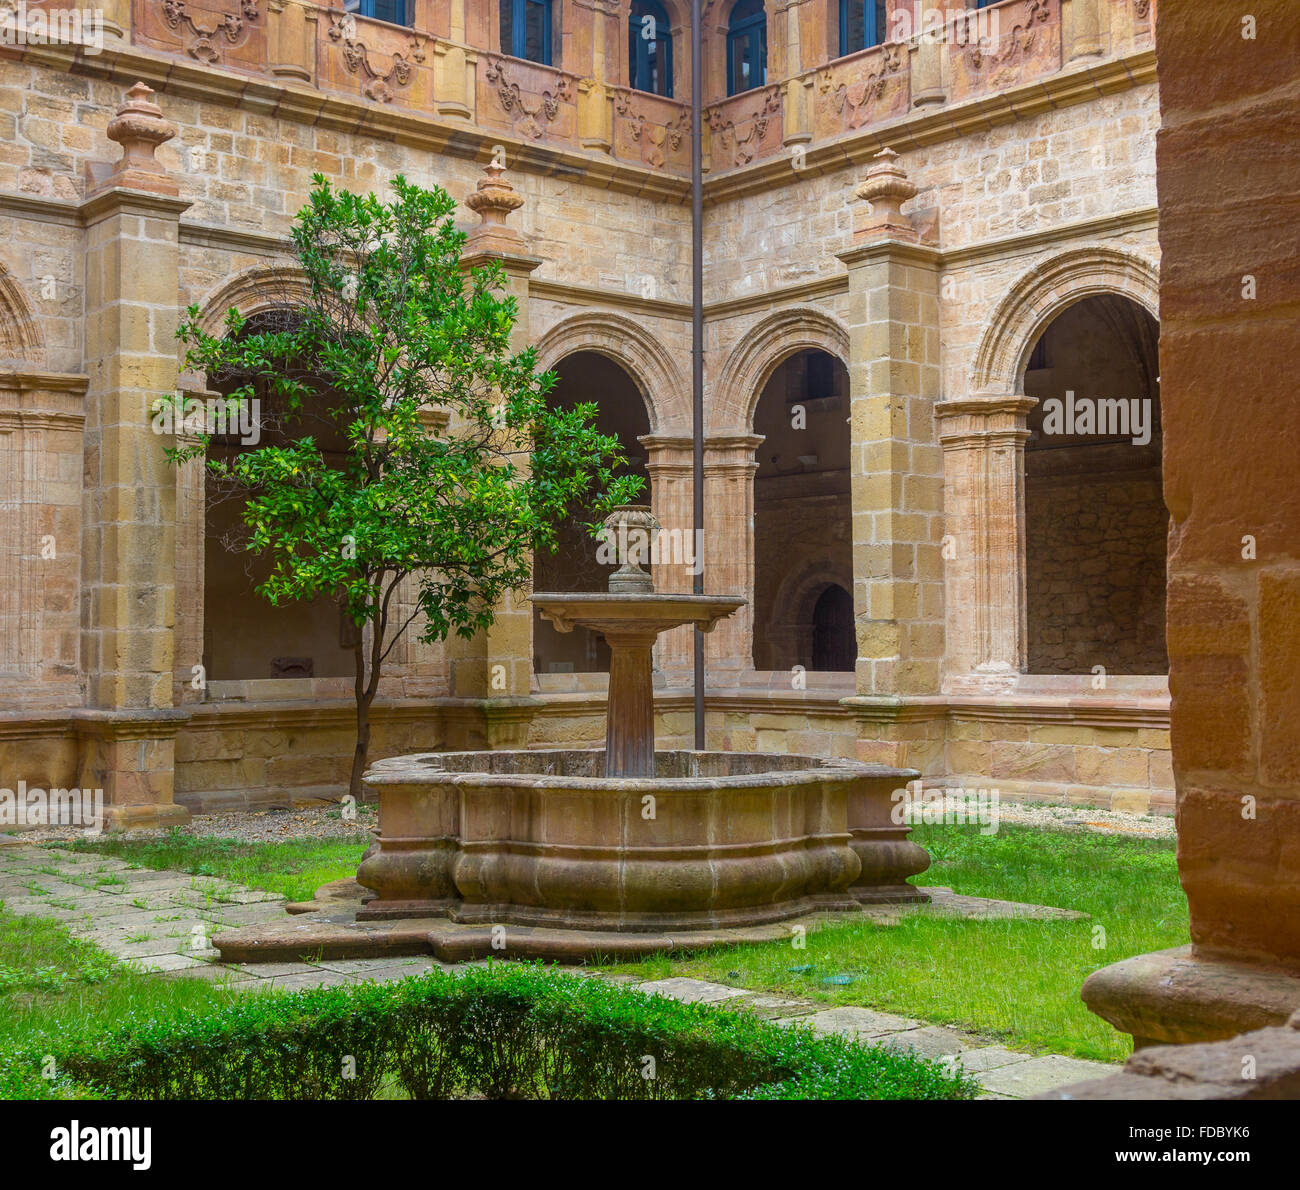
point(455, 469)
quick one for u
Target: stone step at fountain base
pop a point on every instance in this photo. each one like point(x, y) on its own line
point(328, 929)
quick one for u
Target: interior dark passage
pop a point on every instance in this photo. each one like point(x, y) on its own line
point(803, 532)
point(1095, 519)
point(574, 566)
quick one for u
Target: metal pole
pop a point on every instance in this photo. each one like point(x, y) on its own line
point(697, 343)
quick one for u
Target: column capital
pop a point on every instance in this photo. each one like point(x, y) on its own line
point(982, 419)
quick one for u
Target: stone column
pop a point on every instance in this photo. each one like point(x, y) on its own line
point(132, 265)
point(896, 471)
point(983, 439)
point(453, 69)
point(669, 464)
point(927, 60)
point(729, 469)
point(292, 36)
point(191, 540)
point(1231, 428)
point(1084, 36)
point(595, 101)
point(495, 668)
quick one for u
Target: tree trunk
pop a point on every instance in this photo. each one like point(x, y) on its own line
point(363, 746)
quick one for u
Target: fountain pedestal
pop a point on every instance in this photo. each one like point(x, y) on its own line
point(631, 624)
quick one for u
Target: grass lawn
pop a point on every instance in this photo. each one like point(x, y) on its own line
point(295, 868)
point(55, 987)
point(1016, 980)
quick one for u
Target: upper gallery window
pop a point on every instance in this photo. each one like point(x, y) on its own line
point(392, 11)
point(746, 47)
point(650, 48)
point(862, 24)
point(526, 29)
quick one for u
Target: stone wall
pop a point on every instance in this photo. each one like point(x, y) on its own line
point(1095, 570)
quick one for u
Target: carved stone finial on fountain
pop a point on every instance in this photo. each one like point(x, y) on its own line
point(493, 201)
point(885, 188)
point(631, 530)
point(139, 127)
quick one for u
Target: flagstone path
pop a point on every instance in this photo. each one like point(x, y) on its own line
point(163, 922)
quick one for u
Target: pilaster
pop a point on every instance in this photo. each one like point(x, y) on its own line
point(983, 439)
point(896, 473)
point(132, 263)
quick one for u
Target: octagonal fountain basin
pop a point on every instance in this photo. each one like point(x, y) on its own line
point(713, 839)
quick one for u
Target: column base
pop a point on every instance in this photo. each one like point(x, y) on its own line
point(1178, 997)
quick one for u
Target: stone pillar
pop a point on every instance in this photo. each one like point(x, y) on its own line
point(1083, 39)
point(729, 469)
point(669, 464)
point(798, 106)
point(453, 69)
point(191, 541)
point(983, 549)
point(496, 667)
point(292, 36)
point(896, 466)
point(595, 101)
point(927, 60)
point(1226, 168)
point(132, 265)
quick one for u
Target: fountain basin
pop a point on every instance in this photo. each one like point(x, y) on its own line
point(713, 839)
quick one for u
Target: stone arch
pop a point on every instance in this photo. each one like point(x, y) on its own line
point(20, 332)
point(764, 347)
point(1044, 292)
point(634, 349)
point(255, 290)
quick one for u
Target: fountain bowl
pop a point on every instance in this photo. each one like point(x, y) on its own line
point(712, 840)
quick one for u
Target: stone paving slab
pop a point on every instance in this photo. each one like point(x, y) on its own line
point(989, 1057)
point(932, 1041)
point(693, 991)
point(851, 1021)
point(1042, 1074)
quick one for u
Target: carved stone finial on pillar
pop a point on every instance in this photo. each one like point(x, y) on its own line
point(885, 189)
point(493, 201)
point(139, 128)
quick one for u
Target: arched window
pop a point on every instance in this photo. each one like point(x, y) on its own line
point(526, 29)
point(862, 24)
point(650, 48)
point(746, 47)
point(392, 11)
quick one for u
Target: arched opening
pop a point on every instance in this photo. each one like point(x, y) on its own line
point(1095, 519)
point(834, 644)
point(802, 512)
point(746, 47)
point(244, 636)
point(574, 565)
point(650, 48)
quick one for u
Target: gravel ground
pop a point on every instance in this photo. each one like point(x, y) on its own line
point(263, 826)
point(325, 822)
point(1051, 816)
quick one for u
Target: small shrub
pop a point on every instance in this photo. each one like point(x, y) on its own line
point(502, 1032)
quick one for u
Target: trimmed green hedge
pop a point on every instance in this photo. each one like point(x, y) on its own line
point(502, 1031)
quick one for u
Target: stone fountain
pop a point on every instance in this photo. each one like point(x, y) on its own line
point(630, 841)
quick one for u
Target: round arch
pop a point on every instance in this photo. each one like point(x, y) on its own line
point(630, 346)
point(764, 347)
point(1044, 292)
point(254, 291)
point(20, 333)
